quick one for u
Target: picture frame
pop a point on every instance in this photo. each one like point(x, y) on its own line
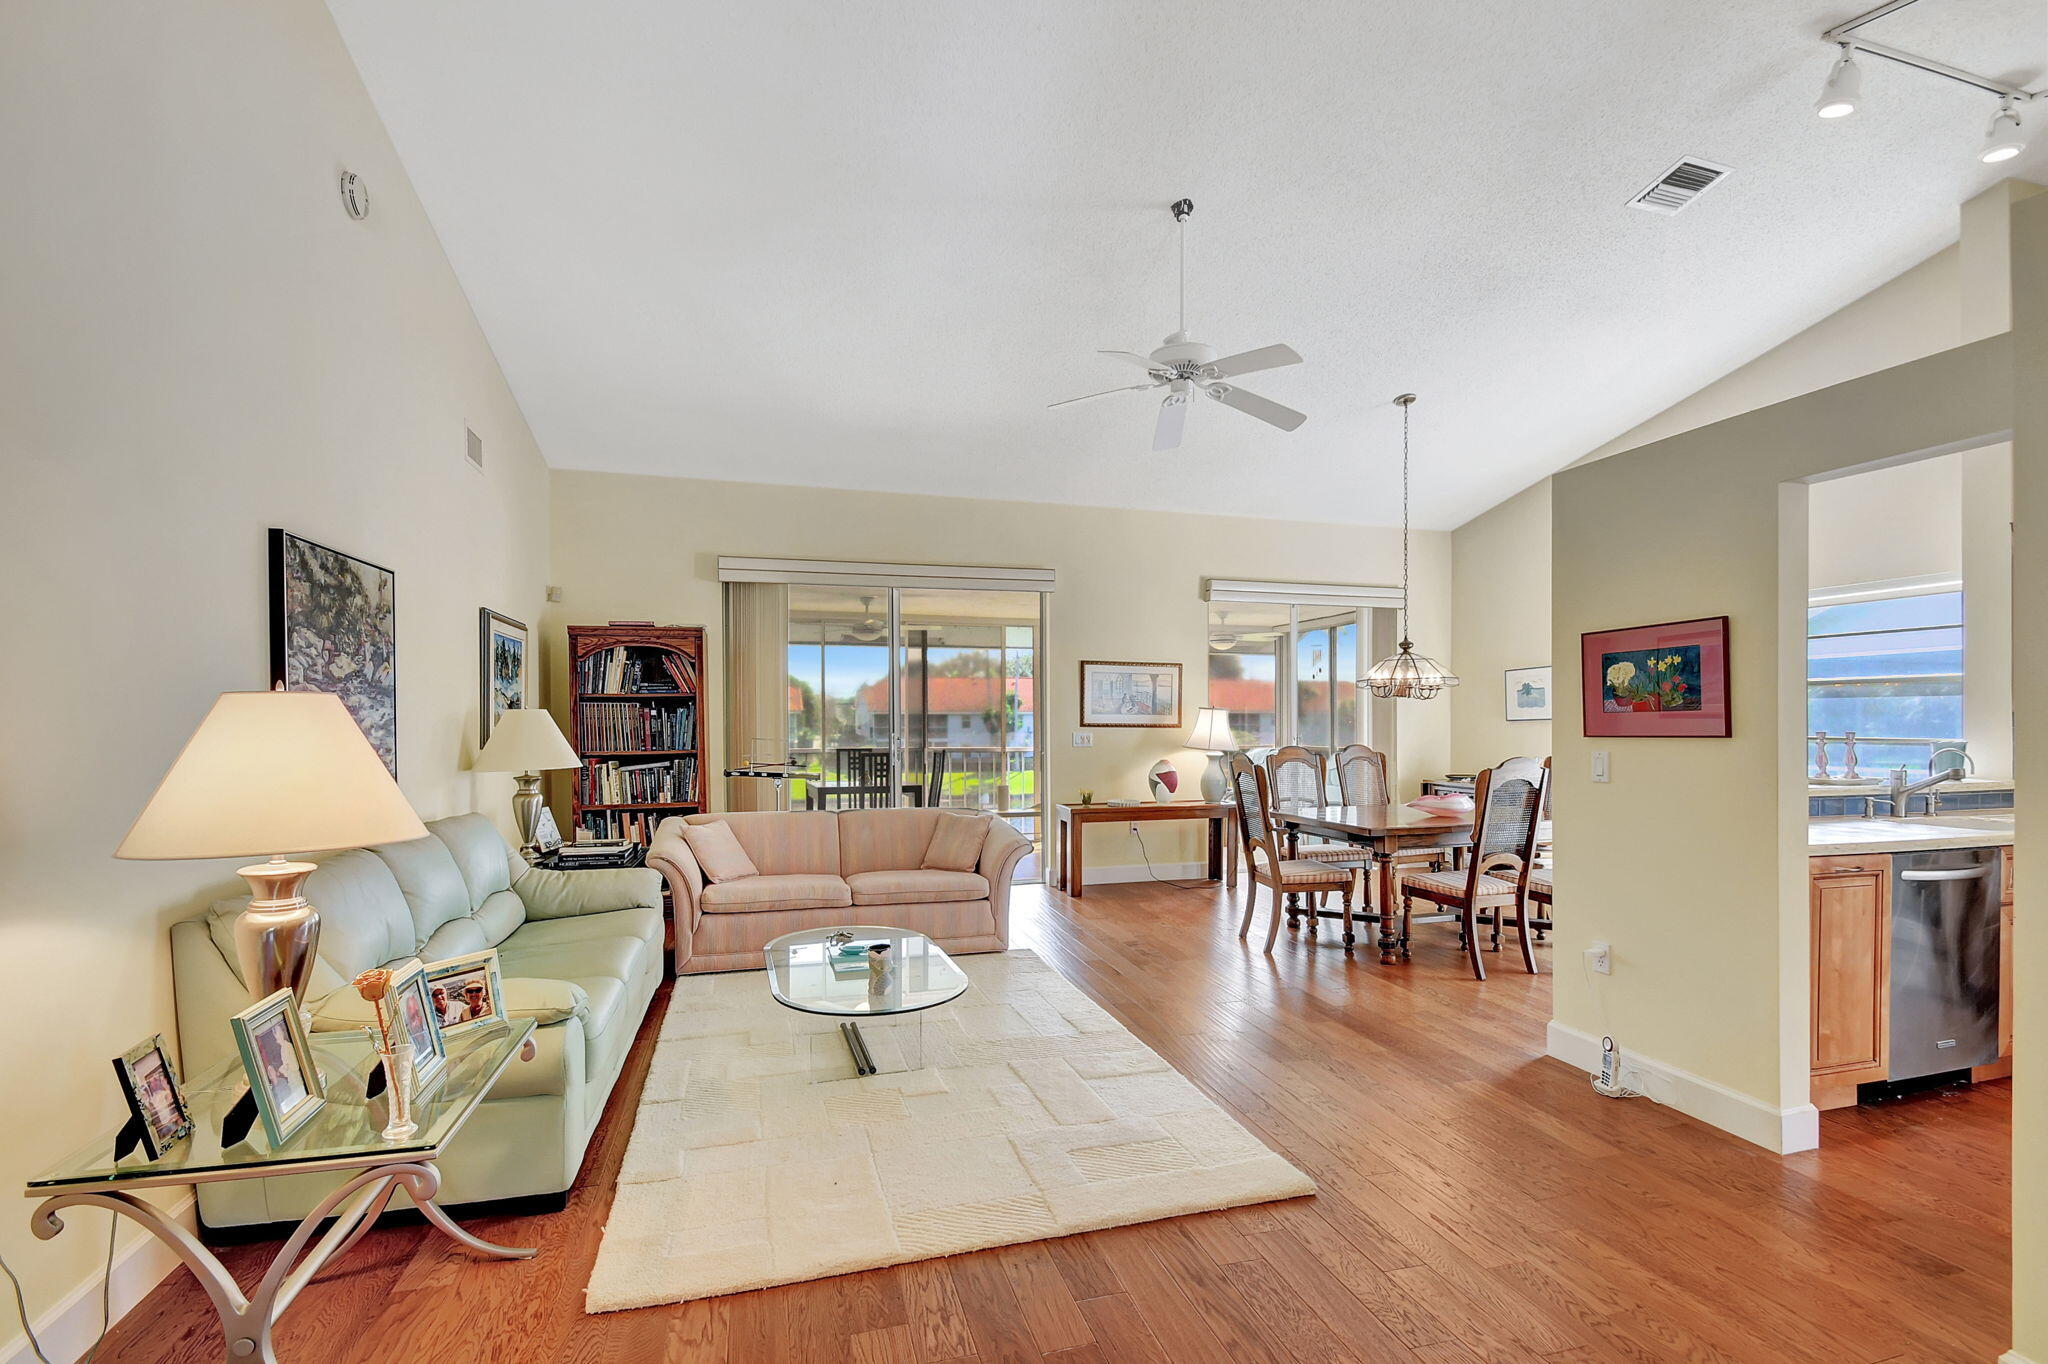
point(156, 1101)
point(412, 1010)
point(1120, 695)
point(1527, 693)
point(547, 835)
point(1657, 681)
point(466, 992)
point(278, 1059)
point(502, 652)
point(334, 628)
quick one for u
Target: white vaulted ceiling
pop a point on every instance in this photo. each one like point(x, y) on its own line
point(863, 245)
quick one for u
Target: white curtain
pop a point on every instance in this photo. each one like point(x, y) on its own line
point(757, 685)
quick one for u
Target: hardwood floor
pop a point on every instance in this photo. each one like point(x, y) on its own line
point(1478, 1203)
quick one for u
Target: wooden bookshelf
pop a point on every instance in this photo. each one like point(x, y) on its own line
point(638, 726)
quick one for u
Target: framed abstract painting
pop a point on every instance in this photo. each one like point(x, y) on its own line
point(502, 668)
point(1657, 681)
point(334, 628)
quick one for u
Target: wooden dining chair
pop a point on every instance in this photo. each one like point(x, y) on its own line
point(1298, 776)
point(1362, 776)
point(1494, 881)
point(1266, 867)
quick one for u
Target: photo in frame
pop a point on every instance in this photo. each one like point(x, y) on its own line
point(1528, 693)
point(412, 1011)
point(333, 628)
point(1657, 681)
point(278, 1060)
point(466, 991)
point(1130, 695)
point(156, 1100)
point(501, 669)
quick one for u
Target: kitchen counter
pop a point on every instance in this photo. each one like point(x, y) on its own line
point(1877, 786)
point(1829, 837)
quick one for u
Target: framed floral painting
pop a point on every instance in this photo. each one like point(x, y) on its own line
point(1652, 681)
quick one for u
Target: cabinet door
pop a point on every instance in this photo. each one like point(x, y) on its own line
point(2005, 959)
point(1851, 903)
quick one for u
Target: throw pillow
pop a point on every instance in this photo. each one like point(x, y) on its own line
point(956, 843)
point(717, 850)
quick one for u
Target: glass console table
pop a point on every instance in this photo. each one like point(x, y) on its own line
point(342, 1137)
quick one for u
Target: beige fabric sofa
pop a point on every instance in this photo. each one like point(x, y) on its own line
point(820, 868)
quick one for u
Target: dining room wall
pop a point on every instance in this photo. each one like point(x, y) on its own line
point(638, 547)
point(1500, 619)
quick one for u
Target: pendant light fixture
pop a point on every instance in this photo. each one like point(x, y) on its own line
point(1407, 673)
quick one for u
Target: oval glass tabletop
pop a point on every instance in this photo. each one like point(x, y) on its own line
point(809, 972)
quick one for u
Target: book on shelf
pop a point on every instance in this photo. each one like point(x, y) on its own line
point(625, 669)
point(671, 781)
point(633, 727)
point(636, 826)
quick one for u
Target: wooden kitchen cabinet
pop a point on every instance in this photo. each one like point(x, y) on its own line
point(1850, 900)
point(2003, 1065)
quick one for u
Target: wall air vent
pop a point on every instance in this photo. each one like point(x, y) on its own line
point(1679, 186)
point(476, 447)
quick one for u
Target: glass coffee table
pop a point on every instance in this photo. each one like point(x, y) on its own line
point(827, 971)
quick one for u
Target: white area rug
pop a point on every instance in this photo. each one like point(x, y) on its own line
point(1036, 1115)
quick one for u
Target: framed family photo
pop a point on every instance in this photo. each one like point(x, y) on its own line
point(279, 1061)
point(412, 1007)
point(501, 666)
point(334, 628)
point(1130, 695)
point(466, 991)
point(1528, 693)
point(1657, 681)
point(155, 1099)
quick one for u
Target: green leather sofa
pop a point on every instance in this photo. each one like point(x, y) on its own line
point(461, 889)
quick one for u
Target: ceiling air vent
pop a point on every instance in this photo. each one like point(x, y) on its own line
point(1679, 186)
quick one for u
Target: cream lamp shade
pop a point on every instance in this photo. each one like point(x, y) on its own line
point(525, 741)
point(1211, 733)
point(272, 772)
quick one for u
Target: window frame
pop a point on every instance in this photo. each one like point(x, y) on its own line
point(1871, 594)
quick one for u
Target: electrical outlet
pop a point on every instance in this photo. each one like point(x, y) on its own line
point(1601, 958)
point(1599, 764)
point(1083, 739)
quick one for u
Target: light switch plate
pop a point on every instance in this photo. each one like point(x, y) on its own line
point(1599, 764)
point(1083, 739)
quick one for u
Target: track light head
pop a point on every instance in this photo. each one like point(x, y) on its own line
point(1843, 88)
point(2004, 139)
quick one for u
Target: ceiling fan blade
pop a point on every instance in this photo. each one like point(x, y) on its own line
point(1131, 388)
point(1173, 419)
point(1246, 362)
point(1252, 405)
point(1143, 361)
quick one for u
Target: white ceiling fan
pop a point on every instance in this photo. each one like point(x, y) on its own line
point(1181, 366)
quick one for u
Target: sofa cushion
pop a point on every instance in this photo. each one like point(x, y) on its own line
point(775, 892)
point(916, 887)
point(784, 844)
point(620, 956)
point(433, 886)
point(718, 852)
point(363, 916)
point(956, 842)
point(645, 924)
point(456, 938)
point(480, 854)
point(884, 840)
point(499, 915)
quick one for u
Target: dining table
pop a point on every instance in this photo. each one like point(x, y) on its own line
point(1383, 831)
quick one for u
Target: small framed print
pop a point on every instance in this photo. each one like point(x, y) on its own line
point(1668, 681)
point(412, 1009)
point(547, 835)
point(1528, 693)
point(155, 1099)
point(466, 992)
point(1130, 695)
point(279, 1062)
point(501, 642)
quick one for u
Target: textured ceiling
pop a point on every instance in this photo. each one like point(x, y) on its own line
point(863, 245)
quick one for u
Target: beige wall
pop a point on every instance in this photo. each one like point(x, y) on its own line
point(1904, 522)
point(636, 548)
point(1500, 618)
point(197, 344)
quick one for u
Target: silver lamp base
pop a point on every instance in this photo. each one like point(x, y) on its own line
point(526, 808)
point(277, 938)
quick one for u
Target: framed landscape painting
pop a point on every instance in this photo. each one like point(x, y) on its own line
point(1130, 695)
point(1651, 681)
point(501, 643)
point(333, 628)
point(1528, 693)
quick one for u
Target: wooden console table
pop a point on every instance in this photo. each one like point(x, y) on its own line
point(1070, 820)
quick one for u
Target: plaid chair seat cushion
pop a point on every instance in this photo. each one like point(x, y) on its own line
point(1452, 884)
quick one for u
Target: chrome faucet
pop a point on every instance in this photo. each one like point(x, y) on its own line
point(1901, 790)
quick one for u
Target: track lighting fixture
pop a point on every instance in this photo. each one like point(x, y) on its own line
point(1844, 87)
point(2004, 139)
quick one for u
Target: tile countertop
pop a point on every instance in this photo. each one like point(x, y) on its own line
point(1877, 786)
point(1828, 837)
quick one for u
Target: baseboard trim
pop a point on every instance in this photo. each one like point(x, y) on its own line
point(1137, 871)
point(67, 1330)
point(1783, 1131)
point(2014, 1357)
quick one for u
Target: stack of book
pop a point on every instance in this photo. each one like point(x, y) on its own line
point(629, 727)
point(620, 669)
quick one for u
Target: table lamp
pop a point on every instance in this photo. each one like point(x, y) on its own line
point(527, 742)
point(265, 773)
point(1211, 735)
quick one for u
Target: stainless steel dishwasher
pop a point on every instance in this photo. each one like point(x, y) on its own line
point(1944, 965)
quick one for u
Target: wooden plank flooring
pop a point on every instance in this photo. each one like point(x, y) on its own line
point(1479, 1205)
